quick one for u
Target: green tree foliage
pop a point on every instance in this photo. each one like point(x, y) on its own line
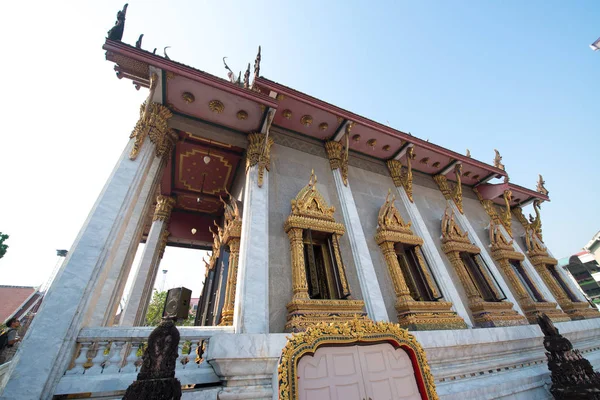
point(3, 246)
point(155, 310)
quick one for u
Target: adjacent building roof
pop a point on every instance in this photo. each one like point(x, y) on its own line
point(14, 298)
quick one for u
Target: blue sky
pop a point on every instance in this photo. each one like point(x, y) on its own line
point(516, 76)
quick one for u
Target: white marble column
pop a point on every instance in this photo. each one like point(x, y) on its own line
point(133, 314)
point(251, 311)
point(434, 258)
point(367, 278)
point(464, 223)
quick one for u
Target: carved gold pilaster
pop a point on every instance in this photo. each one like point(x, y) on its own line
point(234, 256)
point(403, 176)
point(451, 192)
point(164, 236)
point(412, 314)
point(338, 159)
point(486, 314)
point(259, 153)
point(311, 211)
point(164, 206)
point(153, 123)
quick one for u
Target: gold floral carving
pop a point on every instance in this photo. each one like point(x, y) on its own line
point(311, 211)
point(403, 176)
point(216, 106)
point(306, 120)
point(506, 215)
point(231, 234)
point(497, 216)
point(356, 138)
point(287, 114)
point(164, 206)
point(386, 147)
point(323, 126)
point(188, 97)
point(355, 331)
point(371, 142)
point(451, 192)
point(338, 158)
point(418, 315)
point(455, 242)
point(153, 124)
point(536, 223)
point(436, 164)
point(259, 153)
point(242, 115)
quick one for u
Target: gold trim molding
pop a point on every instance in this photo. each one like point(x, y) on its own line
point(355, 331)
point(417, 315)
point(259, 153)
point(403, 176)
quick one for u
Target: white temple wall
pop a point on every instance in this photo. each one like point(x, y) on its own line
point(289, 173)
point(431, 204)
point(369, 190)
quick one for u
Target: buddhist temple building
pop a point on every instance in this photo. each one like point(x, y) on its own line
point(348, 259)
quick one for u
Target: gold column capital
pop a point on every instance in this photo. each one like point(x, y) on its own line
point(153, 123)
point(259, 153)
point(403, 176)
point(451, 192)
point(338, 159)
point(164, 206)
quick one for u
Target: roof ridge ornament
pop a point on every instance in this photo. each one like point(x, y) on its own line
point(256, 67)
point(116, 32)
point(540, 188)
point(498, 161)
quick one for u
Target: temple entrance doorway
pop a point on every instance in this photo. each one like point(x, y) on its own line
point(376, 372)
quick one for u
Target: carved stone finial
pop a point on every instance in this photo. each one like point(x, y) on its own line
point(116, 32)
point(156, 379)
point(498, 160)
point(138, 43)
point(540, 186)
point(247, 77)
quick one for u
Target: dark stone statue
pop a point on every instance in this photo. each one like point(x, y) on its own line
point(156, 379)
point(572, 375)
point(116, 32)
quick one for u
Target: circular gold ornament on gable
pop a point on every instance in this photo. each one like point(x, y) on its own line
point(386, 147)
point(188, 97)
point(216, 106)
point(323, 126)
point(356, 138)
point(242, 115)
point(287, 114)
point(306, 120)
point(371, 142)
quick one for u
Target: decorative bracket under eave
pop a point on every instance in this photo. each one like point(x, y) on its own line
point(452, 192)
point(403, 176)
point(338, 152)
point(485, 193)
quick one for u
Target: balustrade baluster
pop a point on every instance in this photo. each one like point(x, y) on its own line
point(180, 356)
point(113, 363)
point(81, 360)
point(99, 358)
point(130, 356)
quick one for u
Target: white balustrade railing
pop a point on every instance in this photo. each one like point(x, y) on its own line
point(109, 358)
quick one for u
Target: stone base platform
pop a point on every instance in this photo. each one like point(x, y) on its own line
point(303, 313)
point(428, 315)
point(500, 314)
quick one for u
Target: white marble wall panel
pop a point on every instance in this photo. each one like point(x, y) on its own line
point(364, 265)
point(251, 311)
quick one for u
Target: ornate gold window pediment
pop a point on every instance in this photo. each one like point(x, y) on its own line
point(320, 288)
point(362, 332)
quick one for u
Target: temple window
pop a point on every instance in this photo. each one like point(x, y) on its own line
point(559, 279)
point(420, 288)
point(419, 300)
point(487, 300)
point(320, 289)
point(526, 281)
point(322, 271)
